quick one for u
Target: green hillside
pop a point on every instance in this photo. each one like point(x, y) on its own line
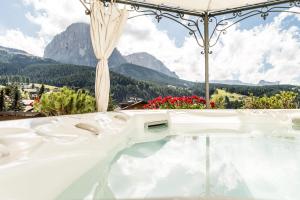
point(122, 87)
point(76, 77)
point(146, 74)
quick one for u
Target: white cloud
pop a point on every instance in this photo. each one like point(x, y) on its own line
point(53, 16)
point(16, 39)
point(241, 54)
point(245, 53)
point(142, 35)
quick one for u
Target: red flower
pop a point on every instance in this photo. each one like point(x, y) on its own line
point(169, 102)
point(201, 100)
point(194, 97)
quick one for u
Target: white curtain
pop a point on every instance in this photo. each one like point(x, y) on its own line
point(107, 24)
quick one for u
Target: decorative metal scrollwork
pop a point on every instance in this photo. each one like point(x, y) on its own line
point(203, 52)
point(220, 26)
point(192, 25)
point(217, 26)
point(84, 3)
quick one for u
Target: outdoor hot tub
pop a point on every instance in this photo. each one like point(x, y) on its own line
point(203, 154)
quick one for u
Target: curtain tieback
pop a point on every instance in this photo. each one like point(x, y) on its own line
point(103, 58)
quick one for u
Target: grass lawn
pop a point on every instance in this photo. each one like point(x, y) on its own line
point(50, 87)
point(231, 96)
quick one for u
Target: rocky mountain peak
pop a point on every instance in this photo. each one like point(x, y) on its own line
point(73, 46)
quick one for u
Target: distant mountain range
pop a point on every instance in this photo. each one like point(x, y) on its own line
point(11, 51)
point(263, 83)
point(18, 60)
point(230, 82)
point(14, 62)
point(15, 56)
point(73, 46)
point(146, 60)
point(238, 82)
point(145, 74)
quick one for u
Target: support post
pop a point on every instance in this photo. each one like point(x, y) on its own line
point(206, 57)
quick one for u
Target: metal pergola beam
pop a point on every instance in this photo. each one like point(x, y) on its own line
point(200, 13)
point(249, 7)
point(160, 7)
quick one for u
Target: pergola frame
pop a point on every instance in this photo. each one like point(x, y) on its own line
point(199, 24)
point(202, 35)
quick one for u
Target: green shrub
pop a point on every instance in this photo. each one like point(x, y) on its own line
point(219, 100)
point(283, 100)
point(64, 102)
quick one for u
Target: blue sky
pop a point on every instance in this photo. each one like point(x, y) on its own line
point(266, 49)
point(12, 16)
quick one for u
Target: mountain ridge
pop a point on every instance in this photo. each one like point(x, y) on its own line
point(47, 71)
point(238, 82)
point(149, 61)
point(73, 46)
point(145, 74)
point(20, 57)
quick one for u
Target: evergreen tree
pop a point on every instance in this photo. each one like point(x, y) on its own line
point(16, 100)
point(7, 90)
point(227, 103)
point(27, 81)
point(111, 105)
point(42, 90)
point(2, 100)
point(6, 81)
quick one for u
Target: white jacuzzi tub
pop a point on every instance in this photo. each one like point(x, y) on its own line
point(240, 154)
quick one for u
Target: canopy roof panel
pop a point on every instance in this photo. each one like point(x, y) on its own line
point(201, 6)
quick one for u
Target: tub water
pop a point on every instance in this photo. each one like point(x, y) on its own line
point(192, 155)
point(239, 167)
